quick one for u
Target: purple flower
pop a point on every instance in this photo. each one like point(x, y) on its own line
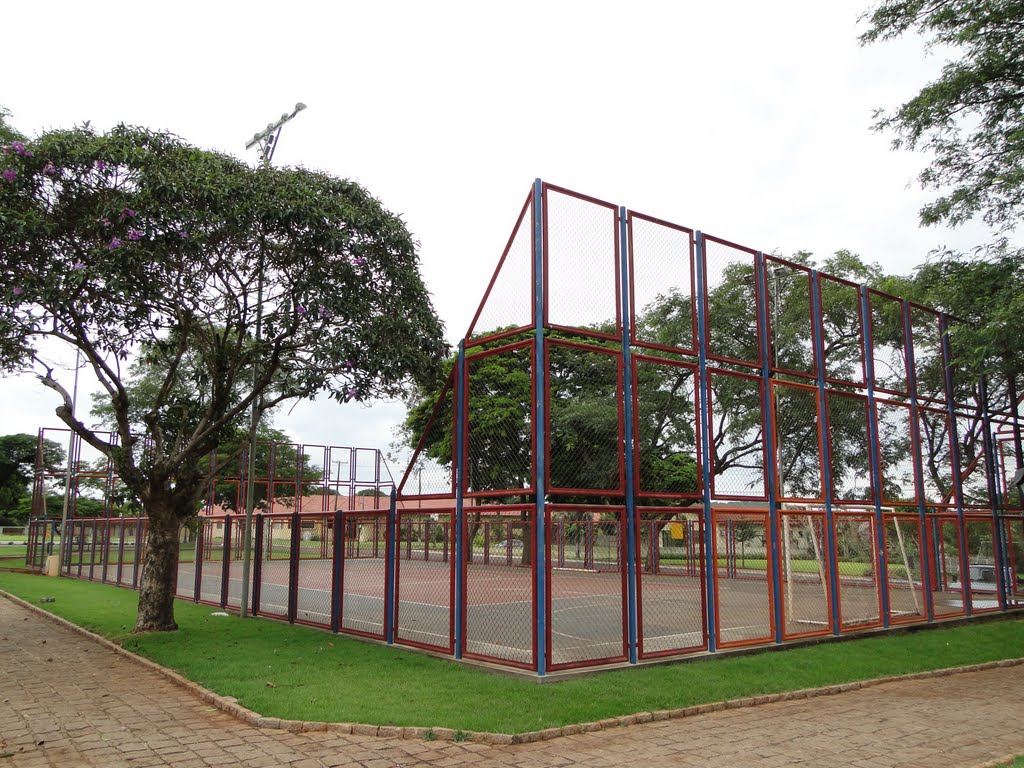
point(127, 213)
point(18, 290)
point(50, 169)
point(104, 222)
point(182, 234)
point(17, 147)
point(77, 266)
point(99, 165)
point(325, 314)
point(349, 364)
point(300, 310)
point(134, 234)
point(359, 261)
point(10, 174)
point(115, 243)
point(352, 393)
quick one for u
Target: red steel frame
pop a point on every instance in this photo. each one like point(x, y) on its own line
point(448, 647)
point(879, 297)
point(860, 383)
point(775, 384)
point(713, 560)
point(620, 511)
point(470, 341)
point(548, 343)
point(498, 510)
point(465, 424)
point(345, 524)
point(827, 554)
point(866, 516)
point(755, 363)
point(763, 496)
point(925, 553)
point(634, 338)
point(548, 189)
point(699, 448)
point(640, 575)
point(795, 269)
point(865, 407)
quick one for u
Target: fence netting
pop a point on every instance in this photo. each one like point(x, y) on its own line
point(652, 442)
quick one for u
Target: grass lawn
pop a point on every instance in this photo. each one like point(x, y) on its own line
point(302, 673)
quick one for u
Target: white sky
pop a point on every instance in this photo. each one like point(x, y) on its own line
point(748, 120)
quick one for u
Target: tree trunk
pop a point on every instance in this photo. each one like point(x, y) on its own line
point(159, 571)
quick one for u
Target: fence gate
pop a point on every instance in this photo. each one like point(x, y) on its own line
point(42, 535)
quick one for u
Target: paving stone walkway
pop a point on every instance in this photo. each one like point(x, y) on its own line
point(65, 701)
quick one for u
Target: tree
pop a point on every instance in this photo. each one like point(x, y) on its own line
point(985, 298)
point(18, 458)
point(133, 241)
point(970, 117)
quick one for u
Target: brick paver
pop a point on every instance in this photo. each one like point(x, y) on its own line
point(65, 701)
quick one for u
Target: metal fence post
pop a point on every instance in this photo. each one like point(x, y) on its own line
point(874, 455)
point(293, 567)
point(225, 562)
point(540, 427)
point(460, 460)
point(927, 563)
point(257, 563)
point(140, 538)
point(337, 566)
point(761, 279)
point(826, 449)
point(629, 442)
point(1000, 551)
point(954, 447)
point(704, 387)
point(200, 554)
point(391, 552)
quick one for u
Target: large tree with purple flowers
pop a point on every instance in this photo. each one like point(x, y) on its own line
point(237, 286)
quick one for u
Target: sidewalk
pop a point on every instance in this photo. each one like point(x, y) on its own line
point(65, 701)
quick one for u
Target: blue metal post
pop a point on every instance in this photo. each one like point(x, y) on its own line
point(293, 568)
point(540, 425)
point(874, 455)
point(225, 564)
point(915, 435)
point(200, 554)
point(954, 448)
point(826, 450)
point(337, 569)
point(704, 384)
point(999, 549)
point(760, 276)
point(391, 552)
point(460, 473)
point(257, 565)
point(629, 443)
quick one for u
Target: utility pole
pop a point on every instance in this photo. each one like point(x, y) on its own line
point(266, 142)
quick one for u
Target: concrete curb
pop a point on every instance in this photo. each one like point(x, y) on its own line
point(231, 706)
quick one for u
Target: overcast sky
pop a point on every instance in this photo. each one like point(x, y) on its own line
point(748, 120)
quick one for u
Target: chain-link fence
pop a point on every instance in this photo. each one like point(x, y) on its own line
point(652, 442)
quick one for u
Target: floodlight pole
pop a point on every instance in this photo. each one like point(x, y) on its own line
point(64, 537)
point(266, 142)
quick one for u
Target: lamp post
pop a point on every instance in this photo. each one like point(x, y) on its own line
point(265, 142)
point(64, 537)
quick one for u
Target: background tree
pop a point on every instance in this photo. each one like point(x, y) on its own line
point(969, 118)
point(18, 457)
point(133, 241)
